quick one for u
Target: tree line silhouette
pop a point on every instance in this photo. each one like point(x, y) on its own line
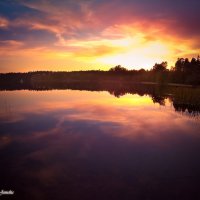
point(185, 71)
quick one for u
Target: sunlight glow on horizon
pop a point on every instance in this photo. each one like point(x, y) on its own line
point(130, 52)
point(93, 39)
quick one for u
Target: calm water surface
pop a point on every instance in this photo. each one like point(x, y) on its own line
point(65, 144)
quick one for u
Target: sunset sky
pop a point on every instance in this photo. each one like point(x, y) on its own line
point(96, 34)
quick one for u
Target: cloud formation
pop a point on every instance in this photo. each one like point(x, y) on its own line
point(94, 32)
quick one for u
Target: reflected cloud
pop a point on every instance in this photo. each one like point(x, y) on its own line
point(129, 115)
point(82, 141)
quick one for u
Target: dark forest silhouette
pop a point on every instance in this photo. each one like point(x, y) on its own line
point(184, 72)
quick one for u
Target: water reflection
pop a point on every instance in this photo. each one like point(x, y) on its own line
point(70, 144)
point(184, 100)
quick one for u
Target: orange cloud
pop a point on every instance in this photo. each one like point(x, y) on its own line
point(3, 22)
point(91, 34)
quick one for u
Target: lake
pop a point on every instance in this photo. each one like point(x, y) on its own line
point(80, 144)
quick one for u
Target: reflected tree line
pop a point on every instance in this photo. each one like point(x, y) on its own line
point(183, 99)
